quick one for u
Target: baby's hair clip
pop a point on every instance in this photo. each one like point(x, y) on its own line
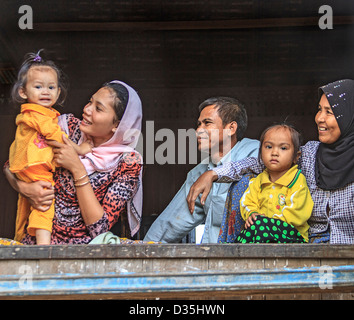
point(37, 58)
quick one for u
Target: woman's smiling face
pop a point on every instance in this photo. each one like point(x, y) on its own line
point(327, 125)
point(99, 118)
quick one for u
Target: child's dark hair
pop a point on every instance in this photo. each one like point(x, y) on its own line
point(296, 138)
point(34, 60)
point(121, 97)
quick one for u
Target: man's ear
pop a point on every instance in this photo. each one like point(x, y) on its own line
point(22, 93)
point(232, 126)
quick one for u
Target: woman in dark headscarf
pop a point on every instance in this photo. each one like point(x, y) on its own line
point(332, 165)
point(328, 165)
point(335, 122)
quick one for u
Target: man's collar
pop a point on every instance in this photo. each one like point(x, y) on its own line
point(225, 159)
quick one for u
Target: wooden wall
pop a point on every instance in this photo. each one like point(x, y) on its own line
point(270, 55)
point(178, 271)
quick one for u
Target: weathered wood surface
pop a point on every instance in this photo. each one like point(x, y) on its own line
point(177, 271)
point(178, 251)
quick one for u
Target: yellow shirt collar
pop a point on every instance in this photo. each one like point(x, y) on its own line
point(287, 180)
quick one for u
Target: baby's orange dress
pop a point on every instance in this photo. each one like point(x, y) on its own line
point(31, 159)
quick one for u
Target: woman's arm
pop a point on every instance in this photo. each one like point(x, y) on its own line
point(40, 194)
point(11, 178)
point(233, 171)
point(229, 172)
point(66, 157)
point(97, 216)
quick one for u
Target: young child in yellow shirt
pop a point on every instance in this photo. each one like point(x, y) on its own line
point(38, 88)
point(277, 203)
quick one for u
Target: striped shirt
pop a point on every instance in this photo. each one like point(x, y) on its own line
point(333, 210)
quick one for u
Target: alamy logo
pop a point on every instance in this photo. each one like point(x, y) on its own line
point(326, 21)
point(25, 21)
point(25, 281)
point(326, 277)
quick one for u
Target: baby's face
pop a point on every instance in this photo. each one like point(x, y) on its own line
point(41, 87)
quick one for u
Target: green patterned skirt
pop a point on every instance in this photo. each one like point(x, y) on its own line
point(270, 230)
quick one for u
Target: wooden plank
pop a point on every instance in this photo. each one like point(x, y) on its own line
point(177, 251)
point(176, 271)
point(305, 280)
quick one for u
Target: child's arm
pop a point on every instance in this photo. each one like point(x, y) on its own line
point(52, 131)
point(229, 172)
point(249, 203)
point(83, 148)
point(46, 126)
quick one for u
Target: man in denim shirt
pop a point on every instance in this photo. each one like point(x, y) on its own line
point(221, 126)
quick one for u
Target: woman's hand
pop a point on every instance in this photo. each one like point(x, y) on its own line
point(40, 194)
point(65, 155)
point(202, 185)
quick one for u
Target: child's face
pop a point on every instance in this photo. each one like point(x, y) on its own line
point(42, 87)
point(278, 151)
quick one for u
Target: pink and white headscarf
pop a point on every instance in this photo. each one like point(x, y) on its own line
point(107, 155)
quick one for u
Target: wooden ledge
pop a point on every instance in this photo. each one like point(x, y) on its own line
point(177, 285)
point(177, 251)
point(172, 271)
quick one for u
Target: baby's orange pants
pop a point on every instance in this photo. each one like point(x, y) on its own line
point(36, 219)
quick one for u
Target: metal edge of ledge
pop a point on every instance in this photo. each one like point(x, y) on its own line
point(254, 281)
point(177, 251)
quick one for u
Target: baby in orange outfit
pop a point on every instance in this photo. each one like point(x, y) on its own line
point(38, 88)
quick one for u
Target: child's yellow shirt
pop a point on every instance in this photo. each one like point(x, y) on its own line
point(35, 124)
point(287, 199)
